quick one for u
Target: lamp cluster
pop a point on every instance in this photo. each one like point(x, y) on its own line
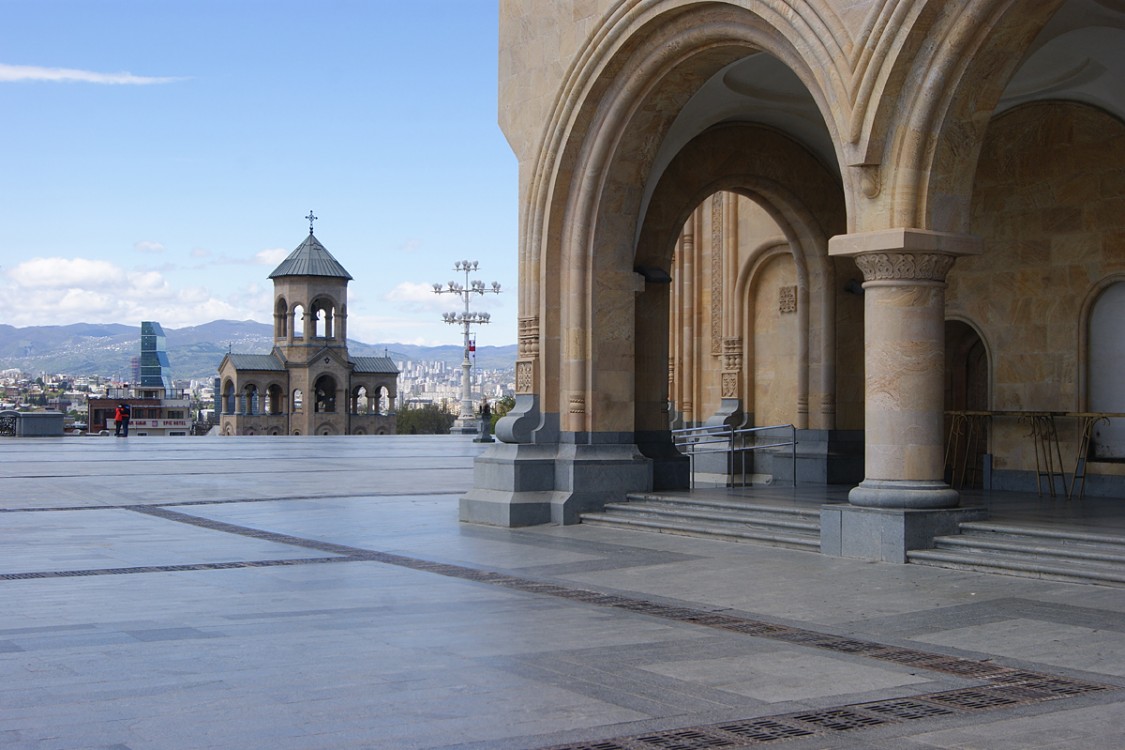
point(471, 317)
point(466, 319)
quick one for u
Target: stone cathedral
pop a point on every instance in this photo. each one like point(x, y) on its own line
point(867, 219)
point(308, 384)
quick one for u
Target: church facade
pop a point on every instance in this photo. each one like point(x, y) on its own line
point(865, 219)
point(308, 384)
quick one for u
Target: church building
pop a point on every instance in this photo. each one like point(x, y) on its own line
point(308, 384)
point(886, 223)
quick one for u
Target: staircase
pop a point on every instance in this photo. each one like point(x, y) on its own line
point(727, 519)
point(1032, 552)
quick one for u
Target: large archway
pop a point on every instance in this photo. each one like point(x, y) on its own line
point(889, 100)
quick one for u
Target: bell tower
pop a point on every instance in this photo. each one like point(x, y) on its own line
point(310, 293)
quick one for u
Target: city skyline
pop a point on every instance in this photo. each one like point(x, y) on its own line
point(168, 154)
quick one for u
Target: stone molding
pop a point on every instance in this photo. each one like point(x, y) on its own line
point(718, 251)
point(525, 376)
point(529, 337)
point(732, 353)
point(729, 385)
point(787, 299)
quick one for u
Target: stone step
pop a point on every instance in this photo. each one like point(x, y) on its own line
point(1020, 565)
point(728, 519)
point(1062, 555)
point(726, 532)
point(1041, 547)
point(718, 514)
point(983, 527)
point(725, 504)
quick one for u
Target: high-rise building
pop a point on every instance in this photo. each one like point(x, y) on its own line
point(154, 357)
point(157, 408)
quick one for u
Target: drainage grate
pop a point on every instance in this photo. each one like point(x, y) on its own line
point(796, 635)
point(964, 667)
point(591, 746)
point(684, 739)
point(906, 656)
point(975, 699)
point(714, 620)
point(906, 709)
point(840, 719)
point(749, 627)
point(1013, 676)
point(846, 645)
point(1061, 687)
point(765, 730)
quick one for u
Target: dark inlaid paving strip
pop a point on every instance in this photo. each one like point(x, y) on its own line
point(1003, 687)
point(170, 568)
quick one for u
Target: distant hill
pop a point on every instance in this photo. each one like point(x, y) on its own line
point(194, 352)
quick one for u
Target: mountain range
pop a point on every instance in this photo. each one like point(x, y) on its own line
point(84, 349)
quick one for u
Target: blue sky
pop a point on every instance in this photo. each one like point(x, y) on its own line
point(159, 159)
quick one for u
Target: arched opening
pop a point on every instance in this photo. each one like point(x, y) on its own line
point(323, 318)
point(1106, 386)
point(250, 404)
point(298, 321)
point(228, 399)
point(966, 399)
point(298, 400)
point(360, 402)
point(325, 392)
point(275, 399)
point(754, 286)
point(281, 319)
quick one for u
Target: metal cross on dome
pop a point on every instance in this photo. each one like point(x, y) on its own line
point(311, 217)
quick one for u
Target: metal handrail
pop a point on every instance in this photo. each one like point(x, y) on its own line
point(690, 438)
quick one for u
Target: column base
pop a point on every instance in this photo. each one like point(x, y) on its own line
point(823, 457)
point(529, 484)
point(903, 494)
point(887, 534)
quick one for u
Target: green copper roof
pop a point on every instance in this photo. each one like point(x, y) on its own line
point(380, 365)
point(310, 259)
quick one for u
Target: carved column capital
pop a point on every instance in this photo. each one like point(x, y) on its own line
point(904, 266)
point(904, 254)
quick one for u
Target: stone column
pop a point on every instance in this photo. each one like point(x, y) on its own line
point(904, 340)
point(903, 502)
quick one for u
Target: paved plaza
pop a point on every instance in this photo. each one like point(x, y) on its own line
point(319, 592)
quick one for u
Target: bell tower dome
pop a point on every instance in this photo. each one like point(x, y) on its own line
point(310, 293)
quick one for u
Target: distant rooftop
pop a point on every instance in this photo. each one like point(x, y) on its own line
point(256, 362)
point(382, 365)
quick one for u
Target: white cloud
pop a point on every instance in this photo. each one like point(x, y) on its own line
point(61, 273)
point(146, 246)
point(200, 252)
point(417, 297)
point(59, 291)
point(148, 284)
point(372, 329)
point(23, 73)
point(271, 257)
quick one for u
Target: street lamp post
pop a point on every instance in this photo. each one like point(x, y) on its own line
point(465, 422)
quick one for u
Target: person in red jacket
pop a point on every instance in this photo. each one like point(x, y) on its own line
point(121, 421)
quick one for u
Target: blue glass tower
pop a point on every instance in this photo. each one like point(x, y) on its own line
point(154, 358)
